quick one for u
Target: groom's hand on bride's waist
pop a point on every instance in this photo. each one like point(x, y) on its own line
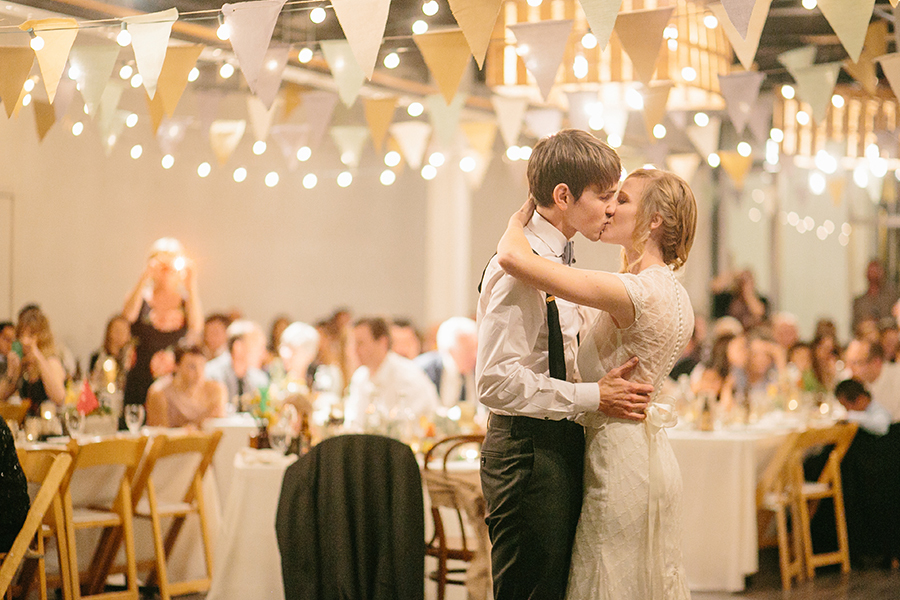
point(621, 398)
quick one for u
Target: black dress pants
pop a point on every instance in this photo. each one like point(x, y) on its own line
point(532, 478)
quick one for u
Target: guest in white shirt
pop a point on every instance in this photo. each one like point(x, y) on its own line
point(239, 368)
point(870, 415)
point(386, 388)
point(452, 366)
point(865, 361)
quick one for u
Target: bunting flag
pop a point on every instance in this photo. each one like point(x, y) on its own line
point(350, 139)
point(149, 40)
point(475, 177)
point(744, 46)
point(890, 64)
point(543, 121)
point(582, 106)
point(412, 137)
point(87, 401)
point(542, 46)
point(93, 67)
point(656, 154)
point(761, 117)
point(316, 109)
point(173, 78)
point(58, 36)
point(445, 117)
point(44, 117)
point(739, 12)
point(224, 136)
point(740, 91)
point(347, 74)
point(171, 133)
point(615, 120)
point(15, 64)
point(815, 86)
point(510, 113)
point(109, 104)
point(260, 117)
point(876, 45)
point(641, 34)
point(110, 136)
point(736, 166)
point(207, 102)
point(894, 3)
point(291, 95)
point(290, 137)
point(379, 114)
point(481, 136)
point(798, 58)
point(447, 56)
point(363, 22)
point(157, 111)
point(684, 165)
point(655, 98)
point(65, 91)
point(250, 27)
point(476, 18)
point(705, 139)
point(850, 20)
point(601, 16)
point(269, 79)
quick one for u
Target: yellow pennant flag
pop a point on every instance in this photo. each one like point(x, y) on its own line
point(291, 94)
point(379, 114)
point(476, 18)
point(156, 109)
point(447, 56)
point(58, 36)
point(641, 34)
point(15, 64)
point(864, 69)
point(836, 187)
point(173, 77)
point(224, 136)
point(44, 117)
point(655, 99)
point(480, 135)
point(736, 166)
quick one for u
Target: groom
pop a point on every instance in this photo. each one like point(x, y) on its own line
point(533, 453)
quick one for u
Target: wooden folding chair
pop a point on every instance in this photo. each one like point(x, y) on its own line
point(445, 495)
point(204, 445)
point(124, 452)
point(53, 478)
point(14, 413)
point(828, 485)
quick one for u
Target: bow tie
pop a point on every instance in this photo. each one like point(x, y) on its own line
point(568, 255)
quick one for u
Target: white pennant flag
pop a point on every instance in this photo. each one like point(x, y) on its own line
point(601, 16)
point(761, 117)
point(798, 58)
point(614, 121)
point(347, 74)
point(583, 106)
point(290, 137)
point(510, 113)
point(350, 139)
point(171, 132)
point(541, 46)
point(260, 117)
point(684, 165)
point(740, 91)
point(270, 75)
point(739, 12)
point(815, 86)
point(890, 64)
point(149, 40)
point(109, 104)
point(316, 108)
point(744, 46)
point(250, 26)
point(363, 22)
point(58, 36)
point(224, 136)
point(110, 135)
point(445, 117)
point(412, 137)
point(65, 91)
point(543, 121)
point(850, 20)
point(93, 66)
point(705, 139)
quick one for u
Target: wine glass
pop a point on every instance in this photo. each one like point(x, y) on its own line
point(74, 423)
point(134, 417)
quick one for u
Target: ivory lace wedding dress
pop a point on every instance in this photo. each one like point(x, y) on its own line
point(628, 542)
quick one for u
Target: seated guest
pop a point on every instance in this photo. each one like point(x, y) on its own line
point(405, 339)
point(239, 368)
point(110, 363)
point(715, 376)
point(785, 330)
point(386, 387)
point(452, 366)
point(766, 361)
point(13, 490)
point(37, 374)
point(866, 364)
point(692, 354)
point(7, 337)
point(186, 397)
point(215, 335)
point(277, 328)
point(299, 347)
point(861, 409)
point(823, 375)
point(890, 343)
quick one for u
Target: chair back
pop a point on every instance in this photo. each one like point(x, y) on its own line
point(202, 444)
point(838, 436)
point(14, 413)
point(446, 449)
point(775, 479)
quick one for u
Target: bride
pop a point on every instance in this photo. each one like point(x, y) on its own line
point(628, 542)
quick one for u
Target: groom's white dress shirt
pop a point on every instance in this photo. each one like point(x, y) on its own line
point(511, 374)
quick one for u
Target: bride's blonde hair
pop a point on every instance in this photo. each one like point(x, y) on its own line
point(669, 196)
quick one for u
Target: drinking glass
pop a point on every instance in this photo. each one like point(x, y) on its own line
point(134, 417)
point(74, 423)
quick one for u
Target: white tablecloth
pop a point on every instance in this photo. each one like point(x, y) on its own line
point(236, 431)
point(720, 470)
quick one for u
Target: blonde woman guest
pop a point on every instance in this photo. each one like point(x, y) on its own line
point(38, 374)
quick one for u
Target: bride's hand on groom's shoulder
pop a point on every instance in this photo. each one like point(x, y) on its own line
point(622, 398)
point(523, 215)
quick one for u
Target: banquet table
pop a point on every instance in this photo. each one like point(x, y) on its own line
point(236, 431)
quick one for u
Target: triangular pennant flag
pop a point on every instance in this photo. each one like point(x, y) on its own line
point(412, 137)
point(58, 36)
point(291, 96)
point(44, 117)
point(346, 72)
point(270, 75)
point(173, 78)
point(894, 3)
point(447, 56)
point(655, 99)
point(678, 118)
point(250, 26)
point(641, 34)
point(864, 70)
point(740, 91)
point(481, 136)
point(744, 46)
point(363, 23)
point(615, 120)
point(543, 121)
point(316, 110)
point(475, 177)
point(542, 46)
point(379, 114)
point(655, 154)
point(260, 117)
point(890, 64)
point(684, 165)
point(149, 40)
point(93, 66)
point(815, 86)
point(224, 136)
point(171, 132)
point(109, 137)
point(798, 58)
point(736, 166)
point(601, 16)
point(761, 117)
point(510, 113)
point(850, 20)
point(836, 186)
point(65, 91)
point(87, 401)
point(290, 137)
point(582, 106)
point(476, 18)
point(15, 64)
point(705, 139)
point(157, 111)
point(739, 12)
point(445, 117)
point(109, 104)
point(350, 139)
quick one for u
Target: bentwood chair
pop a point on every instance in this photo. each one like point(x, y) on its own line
point(14, 413)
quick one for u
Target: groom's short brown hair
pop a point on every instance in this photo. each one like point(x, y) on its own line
point(575, 158)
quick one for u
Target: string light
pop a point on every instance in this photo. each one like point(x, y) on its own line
point(317, 15)
point(124, 37)
point(77, 128)
point(29, 85)
point(428, 172)
point(167, 161)
point(126, 72)
point(194, 74)
point(713, 160)
point(419, 27)
point(430, 8)
point(392, 158)
point(204, 169)
point(224, 31)
point(259, 147)
point(387, 177)
point(589, 41)
point(436, 159)
point(131, 120)
point(467, 164)
point(272, 179)
point(310, 180)
point(701, 119)
point(744, 149)
point(136, 80)
point(226, 70)
point(37, 42)
point(344, 179)
point(659, 131)
point(305, 55)
point(788, 91)
point(392, 60)
point(136, 151)
point(239, 175)
point(415, 109)
point(304, 153)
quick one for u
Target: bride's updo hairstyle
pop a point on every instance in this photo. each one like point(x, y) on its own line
point(669, 196)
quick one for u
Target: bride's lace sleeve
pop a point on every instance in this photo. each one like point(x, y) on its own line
point(636, 289)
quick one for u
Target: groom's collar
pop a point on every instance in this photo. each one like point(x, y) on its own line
point(547, 233)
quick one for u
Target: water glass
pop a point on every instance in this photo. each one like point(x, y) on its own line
point(134, 417)
point(74, 423)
